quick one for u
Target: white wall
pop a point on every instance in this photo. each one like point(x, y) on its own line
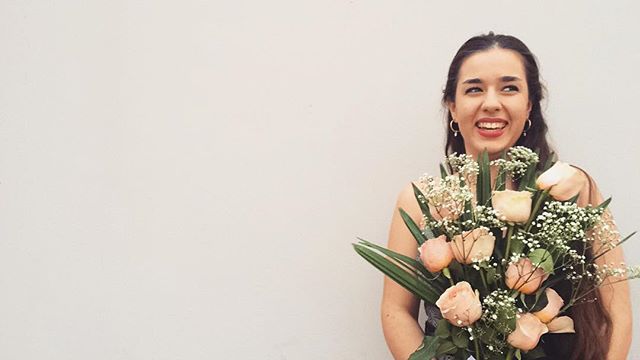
point(183, 180)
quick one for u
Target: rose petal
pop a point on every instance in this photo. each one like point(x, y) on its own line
point(553, 175)
point(561, 324)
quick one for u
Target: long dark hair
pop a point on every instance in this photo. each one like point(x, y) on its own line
point(591, 320)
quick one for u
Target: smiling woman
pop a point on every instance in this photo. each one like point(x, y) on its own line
point(493, 96)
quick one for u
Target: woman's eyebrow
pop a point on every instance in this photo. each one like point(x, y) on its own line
point(472, 81)
point(509, 78)
point(506, 78)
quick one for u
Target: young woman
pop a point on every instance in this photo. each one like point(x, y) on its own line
point(493, 95)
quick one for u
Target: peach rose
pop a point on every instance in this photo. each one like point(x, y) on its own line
point(527, 333)
point(436, 253)
point(512, 206)
point(561, 324)
point(553, 306)
point(554, 174)
point(521, 276)
point(460, 305)
point(473, 245)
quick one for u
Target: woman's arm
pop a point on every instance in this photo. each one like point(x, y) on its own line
point(614, 297)
point(400, 308)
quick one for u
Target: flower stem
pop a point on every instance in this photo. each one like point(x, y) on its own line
point(510, 354)
point(475, 344)
point(509, 234)
point(447, 274)
point(484, 279)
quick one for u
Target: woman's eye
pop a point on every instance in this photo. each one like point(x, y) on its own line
point(472, 90)
point(511, 88)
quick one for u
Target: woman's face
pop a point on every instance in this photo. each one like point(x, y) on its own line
point(492, 101)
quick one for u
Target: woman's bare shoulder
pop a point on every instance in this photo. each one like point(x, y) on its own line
point(408, 202)
point(593, 196)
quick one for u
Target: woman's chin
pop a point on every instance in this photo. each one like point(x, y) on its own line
point(494, 147)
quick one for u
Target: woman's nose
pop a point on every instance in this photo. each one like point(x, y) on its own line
point(491, 102)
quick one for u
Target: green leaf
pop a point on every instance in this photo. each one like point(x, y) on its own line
point(535, 302)
point(538, 200)
point(456, 271)
point(574, 199)
point(443, 171)
point(460, 337)
point(541, 301)
point(604, 204)
point(443, 329)
point(422, 201)
point(483, 186)
point(511, 325)
point(488, 335)
point(427, 350)
point(409, 280)
point(615, 245)
point(446, 347)
point(438, 282)
point(518, 354)
point(626, 238)
point(543, 259)
point(529, 178)
point(536, 353)
point(413, 227)
point(428, 233)
point(549, 163)
point(501, 180)
point(491, 276)
point(517, 246)
point(468, 211)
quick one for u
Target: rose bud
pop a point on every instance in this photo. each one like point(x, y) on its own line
point(521, 276)
point(527, 333)
point(473, 245)
point(561, 324)
point(553, 175)
point(436, 253)
point(554, 304)
point(512, 206)
point(460, 305)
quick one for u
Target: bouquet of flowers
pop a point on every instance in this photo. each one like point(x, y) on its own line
point(492, 260)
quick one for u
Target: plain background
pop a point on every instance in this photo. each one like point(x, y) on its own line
point(183, 180)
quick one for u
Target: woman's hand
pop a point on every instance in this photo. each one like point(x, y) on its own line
point(564, 182)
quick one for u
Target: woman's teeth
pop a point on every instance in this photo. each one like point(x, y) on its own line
point(491, 126)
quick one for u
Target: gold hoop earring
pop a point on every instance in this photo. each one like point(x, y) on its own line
point(527, 129)
point(455, 132)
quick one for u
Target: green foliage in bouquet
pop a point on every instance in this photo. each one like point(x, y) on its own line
point(491, 259)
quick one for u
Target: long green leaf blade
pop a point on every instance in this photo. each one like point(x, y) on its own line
point(443, 171)
point(427, 350)
point(437, 283)
point(409, 281)
point(424, 206)
point(486, 179)
point(413, 227)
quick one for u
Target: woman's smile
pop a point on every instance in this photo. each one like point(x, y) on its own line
point(491, 127)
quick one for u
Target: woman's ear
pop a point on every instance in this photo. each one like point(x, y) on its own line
point(452, 108)
point(529, 110)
